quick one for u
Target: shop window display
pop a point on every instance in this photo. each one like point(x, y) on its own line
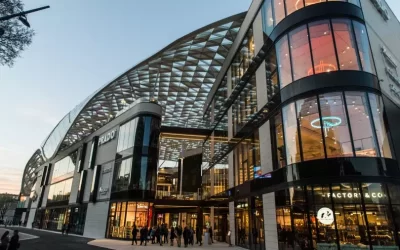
point(344, 215)
point(124, 215)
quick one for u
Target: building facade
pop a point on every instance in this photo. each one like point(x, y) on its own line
point(294, 107)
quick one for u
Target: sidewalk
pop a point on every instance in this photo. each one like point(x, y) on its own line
point(125, 245)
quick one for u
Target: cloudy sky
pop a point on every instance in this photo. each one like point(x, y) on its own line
point(78, 47)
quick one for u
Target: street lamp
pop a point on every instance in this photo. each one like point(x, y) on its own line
point(21, 17)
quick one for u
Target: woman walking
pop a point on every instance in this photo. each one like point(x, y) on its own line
point(14, 242)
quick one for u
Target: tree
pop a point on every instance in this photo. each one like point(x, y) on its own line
point(6, 201)
point(16, 35)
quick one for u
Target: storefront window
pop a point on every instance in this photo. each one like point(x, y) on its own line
point(124, 216)
point(363, 47)
point(300, 52)
point(283, 58)
point(242, 223)
point(345, 44)
point(311, 135)
point(279, 10)
point(381, 132)
point(291, 134)
point(335, 125)
point(381, 225)
point(122, 175)
point(323, 50)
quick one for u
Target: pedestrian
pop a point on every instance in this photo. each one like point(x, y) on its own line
point(4, 240)
point(153, 234)
point(159, 235)
point(164, 230)
point(143, 235)
point(210, 231)
point(229, 238)
point(179, 234)
point(68, 227)
point(172, 235)
point(199, 236)
point(191, 237)
point(63, 229)
point(134, 234)
point(186, 236)
point(14, 242)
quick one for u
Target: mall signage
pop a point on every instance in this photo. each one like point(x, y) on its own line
point(394, 91)
point(103, 190)
point(381, 7)
point(345, 195)
point(107, 137)
point(388, 57)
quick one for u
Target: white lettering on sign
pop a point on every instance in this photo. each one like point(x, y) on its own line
point(394, 91)
point(107, 137)
point(345, 195)
point(106, 170)
point(103, 190)
point(393, 76)
point(388, 57)
point(381, 7)
point(142, 206)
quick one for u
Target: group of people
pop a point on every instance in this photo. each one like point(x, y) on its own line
point(161, 235)
point(7, 243)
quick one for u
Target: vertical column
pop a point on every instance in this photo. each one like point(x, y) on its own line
point(269, 209)
point(232, 221)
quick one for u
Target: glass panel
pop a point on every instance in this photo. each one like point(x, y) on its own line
point(356, 2)
point(363, 47)
point(279, 10)
point(381, 226)
point(285, 71)
point(290, 130)
point(374, 193)
point(293, 5)
point(360, 123)
point(311, 2)
point(322, 47)
point(351, 224)
point(121, 138)
point(345, 44)
point(300, 52)
point(335, 125)
point(281, 154)
point(381, 132)
point(268, 19)
point(311, 136)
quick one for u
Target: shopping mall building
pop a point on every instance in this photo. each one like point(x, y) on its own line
point(278, 124)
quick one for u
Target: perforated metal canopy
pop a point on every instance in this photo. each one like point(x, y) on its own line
point(179, 77)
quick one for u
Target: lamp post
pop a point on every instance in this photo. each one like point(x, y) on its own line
point(21, 17)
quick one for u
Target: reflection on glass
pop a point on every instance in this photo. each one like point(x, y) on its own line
point(291, 136)
point(283, 58)
point(279, 10)
point(361, 124)
point(60, 191)
point(351, 224)
point(311, 136)
point(345, 44)
point(268, 19)
point(300, 52)
point(280, 147)
point(381, 132)
point(380, 224)
point(363, 47)
point(293, 5)
point(335, 125)
point(322, 47)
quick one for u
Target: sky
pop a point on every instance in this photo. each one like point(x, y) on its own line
point(79, 46)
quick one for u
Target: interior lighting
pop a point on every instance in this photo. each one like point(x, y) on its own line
point(327, 121)
point(321, 68)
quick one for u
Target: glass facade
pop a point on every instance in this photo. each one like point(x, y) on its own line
point(274, 11)
point(65, 166)
point(137, 155)
point(346, 215)
point(337, 124)
point(322, 47)
point(243, 58)
point(74, 217)
point(60, 191)
point(123, 216)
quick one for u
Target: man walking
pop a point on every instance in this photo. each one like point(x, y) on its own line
point(179, 234)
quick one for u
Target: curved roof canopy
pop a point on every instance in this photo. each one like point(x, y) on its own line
point(179, 77)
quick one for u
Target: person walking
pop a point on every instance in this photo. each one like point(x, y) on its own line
point(210, 231)
point(199, 236)
point(229, 238)
point(172, 235)
point(63, 229)
point(4, 241)
point(191, 237)
point(143, 235)
point(134, 234)
point(164, 230)
point(14, 242)
point(68, 227)
point(179, 234)
point(186, 235)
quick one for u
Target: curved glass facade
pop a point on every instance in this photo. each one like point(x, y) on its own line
point(137, 155)
point(322, 47)
point(338, 124)
point(274, 11)
point(350, 215)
